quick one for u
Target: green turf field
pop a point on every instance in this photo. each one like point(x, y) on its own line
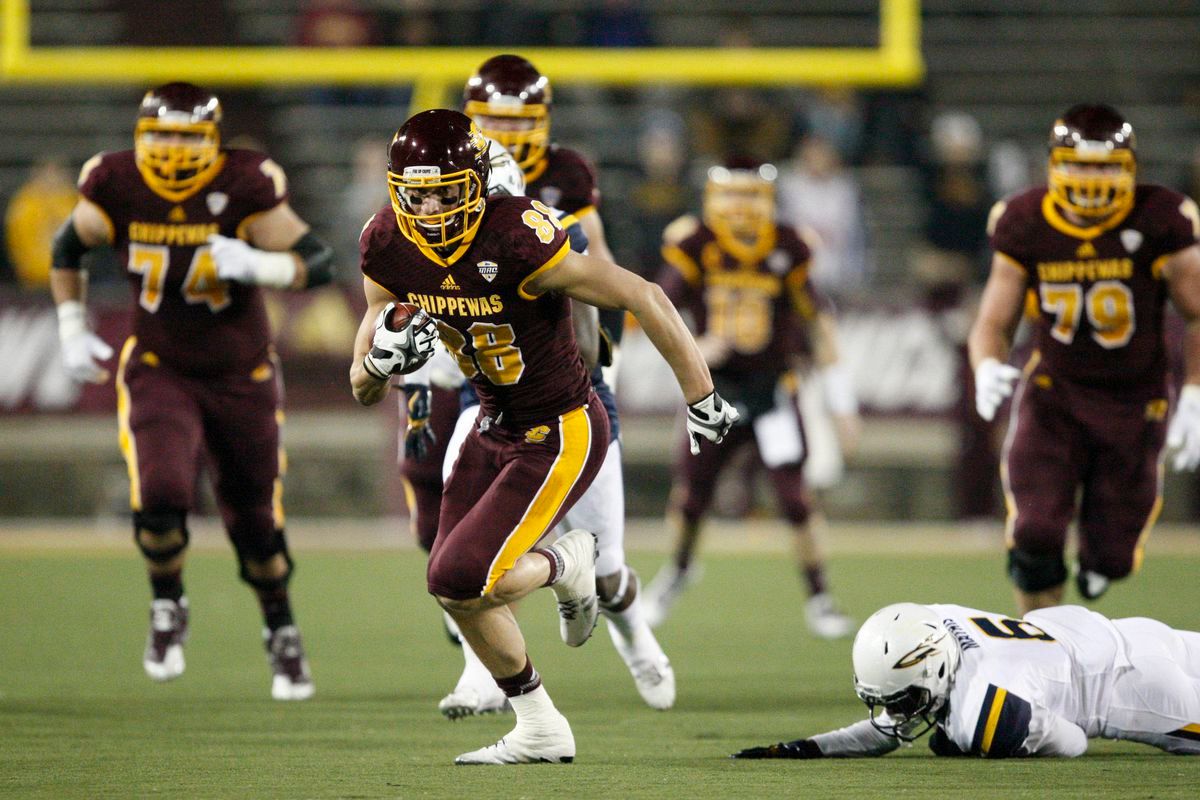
point(79, 719)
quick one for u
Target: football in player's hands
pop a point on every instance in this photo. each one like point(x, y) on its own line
point(399, 315)
point(405, 338)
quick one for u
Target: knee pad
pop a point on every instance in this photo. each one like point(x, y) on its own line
point(1034, 572)
point(261, 552)
point(158, 524)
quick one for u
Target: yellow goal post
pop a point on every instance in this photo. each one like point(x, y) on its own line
point(896, 62)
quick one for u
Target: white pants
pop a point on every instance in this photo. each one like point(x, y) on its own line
point(1160, 694)
point(601, 510)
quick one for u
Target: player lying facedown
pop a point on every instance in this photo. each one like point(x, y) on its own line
point(997, 687)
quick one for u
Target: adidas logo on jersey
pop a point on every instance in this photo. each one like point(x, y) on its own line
point(450, 283)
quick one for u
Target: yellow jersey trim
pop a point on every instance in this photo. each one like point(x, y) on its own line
point(574, 448)
point(550, 264)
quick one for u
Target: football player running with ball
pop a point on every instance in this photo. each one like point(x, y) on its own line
point(511, 101)
point(199, 228)
point(496, 276)
point(1102, 254)
point(991, 686)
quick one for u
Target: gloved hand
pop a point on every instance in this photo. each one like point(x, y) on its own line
point(1183, 434)
point(419, 438)
point(710, 418)
point(993, 382)
point(238, 261)
point(797, 748)
point(401, 351)
point(81, 348)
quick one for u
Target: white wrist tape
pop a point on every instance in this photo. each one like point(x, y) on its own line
point(277, 270)
point(70, 319)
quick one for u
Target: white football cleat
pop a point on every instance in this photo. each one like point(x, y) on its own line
point(468, 701)
point(660, 595)
point(824, 619)
point(163, 656)
point(291, 679)
point(578, 606)
point(650, 667)
point(550, 743)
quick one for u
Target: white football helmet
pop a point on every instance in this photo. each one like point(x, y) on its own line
point(904, 662)
point(506, 176)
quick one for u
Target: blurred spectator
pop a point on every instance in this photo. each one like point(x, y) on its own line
point(365, 193)
point(1008, 169)
point(662, 192)
point(738, 121)
point(817, 193)
point(336, 23)
point(958, 201)
point(35, 212)
point(950, 267)
point(836, 115)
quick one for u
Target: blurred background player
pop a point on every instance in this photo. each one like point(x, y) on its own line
point(497, 273)
point(743, 279)
point(991, 686)
point(199, 228)
point(510, 101)
point(1102, 254)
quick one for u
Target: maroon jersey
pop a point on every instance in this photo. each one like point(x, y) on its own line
point(1100, 288)
point(518, 349)
point(194, 322)
point(759, 301)
point(566, 182)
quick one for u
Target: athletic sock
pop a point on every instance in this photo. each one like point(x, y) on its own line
point(523, 683)
point(167, 587)
point(276, 608)
point(556, 564)
point(815, 578)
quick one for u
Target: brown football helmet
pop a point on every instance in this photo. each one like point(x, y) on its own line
point(739, 206)
point(510, 101)
point(177, 139)
point(1093, 164)
point(437, 178)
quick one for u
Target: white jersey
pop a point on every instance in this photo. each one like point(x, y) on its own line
point(1045, 684)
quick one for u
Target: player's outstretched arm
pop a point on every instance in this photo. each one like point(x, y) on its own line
point(605, 285)
point(857, 740)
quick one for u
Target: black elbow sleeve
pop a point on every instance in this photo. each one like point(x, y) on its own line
point(67, 249)
point(318, 259)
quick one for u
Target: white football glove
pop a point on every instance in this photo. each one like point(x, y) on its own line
point(993, 382)
point(238, 261)
point(400, 351)
point(1183, 435)
point(81, 348)
point(711, 418)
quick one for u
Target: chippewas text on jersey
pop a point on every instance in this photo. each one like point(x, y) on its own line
point(172, 235)
point(1093, 269)
point(440, 305)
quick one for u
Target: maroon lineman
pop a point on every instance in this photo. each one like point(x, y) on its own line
point(1102, 254)
point(744, 281)
point(199, 229)
point(497, 274)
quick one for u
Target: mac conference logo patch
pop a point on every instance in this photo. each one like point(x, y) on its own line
point(216, 202)
point(489, 270)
